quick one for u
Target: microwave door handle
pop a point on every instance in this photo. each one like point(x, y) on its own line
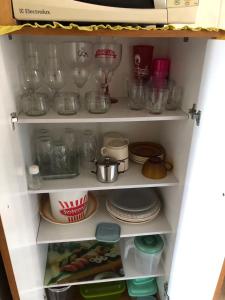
point(160, 4)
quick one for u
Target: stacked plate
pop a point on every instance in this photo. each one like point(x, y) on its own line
point(134, 206)
point(141, 151)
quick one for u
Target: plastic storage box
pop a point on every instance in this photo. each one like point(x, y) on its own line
point(103, 291)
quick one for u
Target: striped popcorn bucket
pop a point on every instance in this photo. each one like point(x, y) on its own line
point(69, 207)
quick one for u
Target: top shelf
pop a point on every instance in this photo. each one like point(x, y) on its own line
point(207, 34)
point(118, 112)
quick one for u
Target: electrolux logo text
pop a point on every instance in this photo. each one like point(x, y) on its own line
point(27, 11)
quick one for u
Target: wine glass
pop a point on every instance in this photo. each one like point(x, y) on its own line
point(31, 74)
point(80, 54)
point(54, 73)
point(107, 59)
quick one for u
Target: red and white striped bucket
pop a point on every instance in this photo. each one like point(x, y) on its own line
point(69, 207)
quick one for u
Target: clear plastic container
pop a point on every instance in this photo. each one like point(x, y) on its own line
point(34, 180)
point(147, 252)
point(142, 287)
point(103, 291)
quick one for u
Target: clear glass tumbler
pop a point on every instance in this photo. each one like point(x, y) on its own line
point(34, 104)
point(60, 163)
point(156, 99)
point(72, 150)
point(57, 293)
point(44, 153)
point(89, 148)
point(136, 94)
point(67, 103)
point(96, 102)
point(175, 98)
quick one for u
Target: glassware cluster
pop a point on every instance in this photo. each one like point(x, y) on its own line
point(61, 155)
point(45, 82)
point(52, 75)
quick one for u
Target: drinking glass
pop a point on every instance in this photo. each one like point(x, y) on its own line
point(34, 104)
point(156, 99)
point(175, 98)
point(72, 150)
point(80, 55)
point(107, 59)
point(89, 148)
point(44, 152)
point(136, 94)
point(60, 163)
point(54, 73)
point(67, 103)
point(96, 102)
point(31, 69)
point(57, 293)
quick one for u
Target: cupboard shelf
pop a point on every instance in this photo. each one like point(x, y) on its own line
point(118, 112)
point(84, 231)
point(123, 33)
point(133, 178)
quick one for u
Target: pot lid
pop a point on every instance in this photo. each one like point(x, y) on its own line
point(106, 161)
point(149, 244)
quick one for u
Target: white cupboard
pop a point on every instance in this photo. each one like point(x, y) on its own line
point(192, 219)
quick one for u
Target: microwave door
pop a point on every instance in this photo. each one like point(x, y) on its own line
point(147, 4)
point(143, 4)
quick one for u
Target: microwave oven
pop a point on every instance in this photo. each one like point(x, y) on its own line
point(108, 11)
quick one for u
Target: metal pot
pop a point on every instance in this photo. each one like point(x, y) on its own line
point(107, 170)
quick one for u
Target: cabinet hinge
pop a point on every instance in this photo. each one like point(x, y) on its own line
point(166, 296)
point(195, 114)
point(14, 119)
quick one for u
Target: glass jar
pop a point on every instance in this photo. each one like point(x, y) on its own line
point(97, 103)
point(34, 104)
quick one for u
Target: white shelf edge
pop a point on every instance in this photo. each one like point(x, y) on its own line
point(118, 112)
point(130, 179)
point(85, 231)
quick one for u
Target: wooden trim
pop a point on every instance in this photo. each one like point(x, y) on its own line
point(7, 264)
point(6, 13)
point(124, 33)
point(220, 283)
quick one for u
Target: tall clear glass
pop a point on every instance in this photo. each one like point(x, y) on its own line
point(54, 72)
point(107, 59)
point(89, 149)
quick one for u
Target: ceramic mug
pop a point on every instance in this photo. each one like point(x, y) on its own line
point(110, 136)
point(69, 207)
point(117, 149)
point(156, 168)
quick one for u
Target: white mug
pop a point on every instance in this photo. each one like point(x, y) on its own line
point(69, 207)
point(110, 136)
point(117, 149)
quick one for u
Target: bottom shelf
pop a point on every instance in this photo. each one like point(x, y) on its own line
point(130, 272)
point(75, 294)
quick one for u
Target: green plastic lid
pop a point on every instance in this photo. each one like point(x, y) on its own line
point(150, 244)
point(90, 291)
point(142, 287)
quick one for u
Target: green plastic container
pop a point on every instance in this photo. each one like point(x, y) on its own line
point(142, 287)
point(103, 291)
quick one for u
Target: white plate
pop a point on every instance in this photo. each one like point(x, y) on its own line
point(134, 200)
point(136, 217)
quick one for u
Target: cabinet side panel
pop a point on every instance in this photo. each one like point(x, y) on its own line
point(187, 63)
point(19, 211)
point(200, 246)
